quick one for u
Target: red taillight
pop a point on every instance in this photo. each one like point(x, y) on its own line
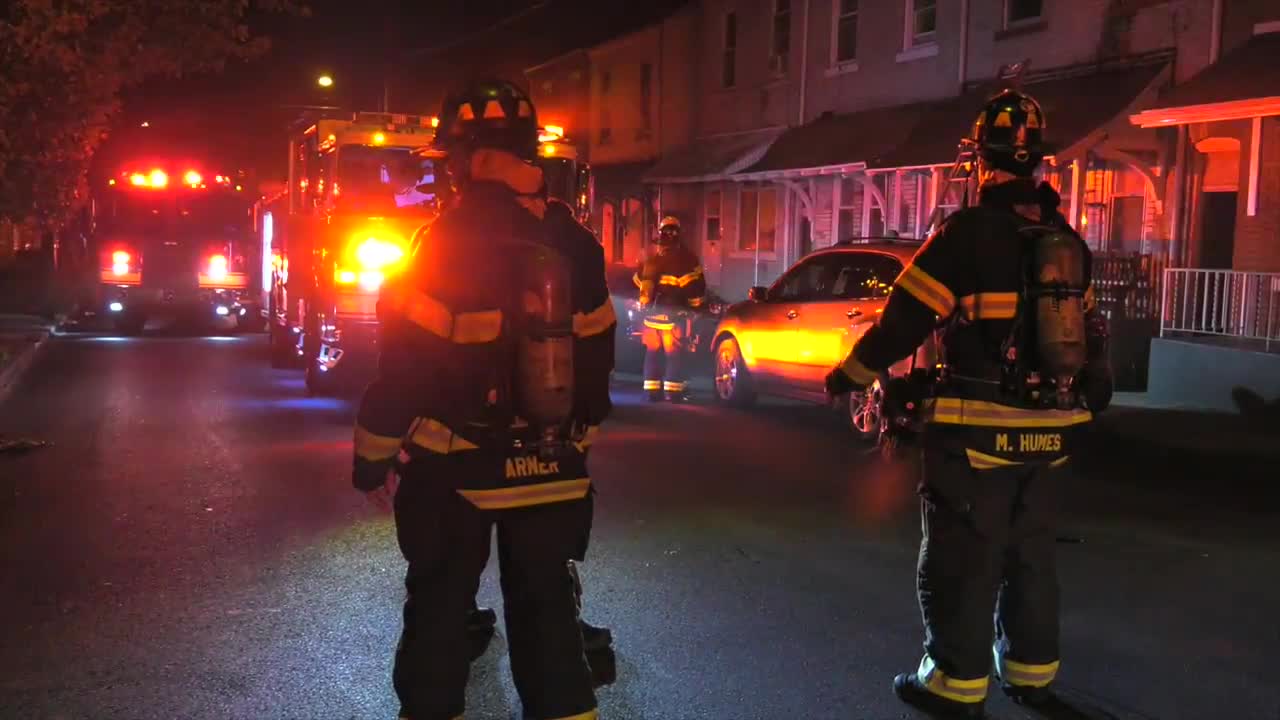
point(120, 262)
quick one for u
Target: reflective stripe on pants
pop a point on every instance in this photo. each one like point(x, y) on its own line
point(973, 690)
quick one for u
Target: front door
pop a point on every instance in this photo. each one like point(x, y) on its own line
point(1218, 230)
point(852, 300)
point(1126, 224)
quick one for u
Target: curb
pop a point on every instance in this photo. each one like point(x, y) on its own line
point(10, 375)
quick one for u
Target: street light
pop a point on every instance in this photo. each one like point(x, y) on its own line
point(324, 81)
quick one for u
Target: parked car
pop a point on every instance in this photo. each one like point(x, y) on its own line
point(785, 338)
point(629, 347)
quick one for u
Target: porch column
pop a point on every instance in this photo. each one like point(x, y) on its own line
point(1255, 165)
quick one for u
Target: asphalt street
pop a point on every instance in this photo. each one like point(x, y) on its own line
point(190, 547)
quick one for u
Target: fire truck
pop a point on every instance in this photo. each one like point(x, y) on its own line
point(355, 195)
point(175, 239)
point(568, 179)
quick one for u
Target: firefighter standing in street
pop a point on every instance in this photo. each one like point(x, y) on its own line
point(1025, 364)
point(493, 378)
point(672, 287)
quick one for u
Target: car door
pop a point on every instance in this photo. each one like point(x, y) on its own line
point(849, 301)
point(766, 330)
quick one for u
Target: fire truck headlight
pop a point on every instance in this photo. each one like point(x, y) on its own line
point(376, 254)
point(218, 267)
point(222, 310)
point(116, 307)
point(346, 277)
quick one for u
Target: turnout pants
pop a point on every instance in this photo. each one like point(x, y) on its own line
point(988, 544)
point(666, 343)
point(446, 541)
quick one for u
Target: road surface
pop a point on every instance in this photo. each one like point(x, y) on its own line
point(190, 547)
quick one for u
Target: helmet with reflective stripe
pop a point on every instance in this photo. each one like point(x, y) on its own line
point(1009, 133)
point(669, 231)
point(489, 114)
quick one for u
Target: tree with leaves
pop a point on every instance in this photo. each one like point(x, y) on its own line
point(64, 65)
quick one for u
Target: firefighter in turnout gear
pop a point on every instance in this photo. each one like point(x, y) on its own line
point(496, 351)
point(1007, 281)
point(672, 288)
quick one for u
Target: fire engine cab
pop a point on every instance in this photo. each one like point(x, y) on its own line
point(175, 239)
point(568, 178)
point(356, 194)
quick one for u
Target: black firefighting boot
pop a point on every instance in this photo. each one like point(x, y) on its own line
point(481, 620)
point(1034, 697)
point(909, 690)
point(653, 396)
point(593, 638)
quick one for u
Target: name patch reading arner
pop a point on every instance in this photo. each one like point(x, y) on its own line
point(524, 467)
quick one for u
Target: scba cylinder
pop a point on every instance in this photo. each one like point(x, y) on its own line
point(544, 363)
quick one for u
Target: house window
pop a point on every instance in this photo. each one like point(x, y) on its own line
point(713, 216)
point(646, 98)
point(849, 209)
point(757, 220)
point(728, 72)
point(846, 31)
point(606, 122)
point(1022, 11)
point(781, 43)
point(922, 21)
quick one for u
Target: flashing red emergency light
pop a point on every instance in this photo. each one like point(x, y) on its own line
point(192, 178)
point(218, 267)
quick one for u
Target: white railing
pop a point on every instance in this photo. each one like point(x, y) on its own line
point(1227, 303)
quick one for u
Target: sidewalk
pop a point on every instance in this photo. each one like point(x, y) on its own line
point(21, 339)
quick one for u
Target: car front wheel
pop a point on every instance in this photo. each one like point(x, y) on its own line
point(866, 412)
point(733, 380)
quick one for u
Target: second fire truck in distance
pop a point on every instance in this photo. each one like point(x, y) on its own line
point(175, 239)
point(356, 194)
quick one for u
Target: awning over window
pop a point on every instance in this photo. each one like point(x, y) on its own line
point(711, 158)
point(836, 143)
point(1075, 106)
point(1245, 83)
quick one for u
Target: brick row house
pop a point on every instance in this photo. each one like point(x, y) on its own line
point(775, 127)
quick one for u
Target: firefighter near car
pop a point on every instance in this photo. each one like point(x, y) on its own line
point(489, 393)
point(1024, 367)
point(672, 289)
point(175, 239)
point(356, 194)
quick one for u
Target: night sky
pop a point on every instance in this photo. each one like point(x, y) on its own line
point(414, 50)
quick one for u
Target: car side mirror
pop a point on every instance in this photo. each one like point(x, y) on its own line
point(758, 294)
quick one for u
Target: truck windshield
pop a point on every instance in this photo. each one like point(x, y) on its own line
point(383, 179)
point(561, 175)
point(196, 212)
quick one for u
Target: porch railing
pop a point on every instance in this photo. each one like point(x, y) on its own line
point(1225, 303)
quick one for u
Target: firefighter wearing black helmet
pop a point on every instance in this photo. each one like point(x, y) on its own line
point(496, 350)
point(672, 288)
point(1007, 282)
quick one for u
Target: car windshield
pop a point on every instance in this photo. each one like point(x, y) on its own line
point(383, 179)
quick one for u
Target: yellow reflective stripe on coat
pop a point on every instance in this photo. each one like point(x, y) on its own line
point(941, 684)
point(983, 461)
point(527, 495)
point(990, 306)
point(374, 447)
point(927, 290)
point(1090, 299)
point(588, 715)
point(431, 315)
point(659, 325)
point(858, 372)
point(588, 438)
point(669, 280)
point(690, 277)
point(1025, 674)
point(594, 322)
point(636, 279)
point(433, 435)
point(696, 302)
point(956, 411)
